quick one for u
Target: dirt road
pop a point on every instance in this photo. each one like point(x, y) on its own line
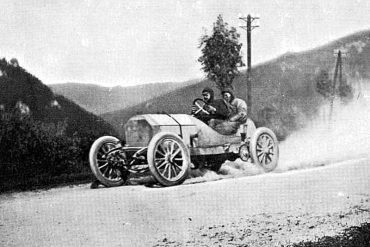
point(263, 210)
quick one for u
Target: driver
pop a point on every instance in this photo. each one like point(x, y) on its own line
point(217, 109)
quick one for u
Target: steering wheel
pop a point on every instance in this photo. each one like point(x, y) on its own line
point(200, 105)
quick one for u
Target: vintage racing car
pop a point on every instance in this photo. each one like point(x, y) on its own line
point(168, 145)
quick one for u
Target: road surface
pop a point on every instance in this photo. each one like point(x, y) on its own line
point(264, 210)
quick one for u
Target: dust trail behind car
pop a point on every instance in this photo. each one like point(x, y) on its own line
point(321, 142)
point(346, 136)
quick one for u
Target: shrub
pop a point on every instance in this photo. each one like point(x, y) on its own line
point(37, 154)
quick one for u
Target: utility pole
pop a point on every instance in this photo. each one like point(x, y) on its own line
point(338, 67)
point(249, 19)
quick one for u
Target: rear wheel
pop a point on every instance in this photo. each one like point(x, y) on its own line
point(168, 159)
point(106, 160)
point(264, 149)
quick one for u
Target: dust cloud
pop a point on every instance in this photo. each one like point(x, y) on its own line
point(325, 140)
point(346, 136)
point(230, 169)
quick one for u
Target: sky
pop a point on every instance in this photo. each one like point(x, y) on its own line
point(121, 42)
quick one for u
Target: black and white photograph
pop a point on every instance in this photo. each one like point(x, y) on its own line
point(185, 123)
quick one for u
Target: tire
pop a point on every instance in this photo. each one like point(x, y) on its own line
point(105, 170)
point(168, 159)
point(264, 149)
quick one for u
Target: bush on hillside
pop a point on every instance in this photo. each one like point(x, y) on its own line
point(38, 154)
point(345, 92)
point(324, 85)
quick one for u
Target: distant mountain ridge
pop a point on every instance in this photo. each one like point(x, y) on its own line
point(99, 99)
point(284, 93)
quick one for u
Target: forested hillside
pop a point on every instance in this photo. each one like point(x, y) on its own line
point(44, 138)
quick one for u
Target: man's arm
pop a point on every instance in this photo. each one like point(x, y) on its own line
point(211, 109)
point(241, 111)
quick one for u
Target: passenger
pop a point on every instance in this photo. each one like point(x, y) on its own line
point(217, 108)
point(238, 114)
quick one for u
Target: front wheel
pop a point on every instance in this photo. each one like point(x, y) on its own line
point(264, 149)
point(106, 160)
point(168, 159)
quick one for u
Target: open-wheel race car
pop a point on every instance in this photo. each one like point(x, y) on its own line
point(168, 145)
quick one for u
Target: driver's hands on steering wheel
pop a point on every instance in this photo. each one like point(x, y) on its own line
point(199, 106)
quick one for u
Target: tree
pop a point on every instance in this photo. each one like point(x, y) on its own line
point(328, 89)
point(345, 91)
point(324, 85)
point(221, 54)
point(14, 62)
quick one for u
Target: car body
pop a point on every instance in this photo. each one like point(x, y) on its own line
point(168, 145)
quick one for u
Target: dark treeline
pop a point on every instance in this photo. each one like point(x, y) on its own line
point(44, 138)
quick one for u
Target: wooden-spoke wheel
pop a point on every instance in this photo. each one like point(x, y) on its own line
point(264, 149)
point(106, 160)
point(168, 159)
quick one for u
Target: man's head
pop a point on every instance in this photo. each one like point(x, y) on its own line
point(228, 95)
point(207, 94)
